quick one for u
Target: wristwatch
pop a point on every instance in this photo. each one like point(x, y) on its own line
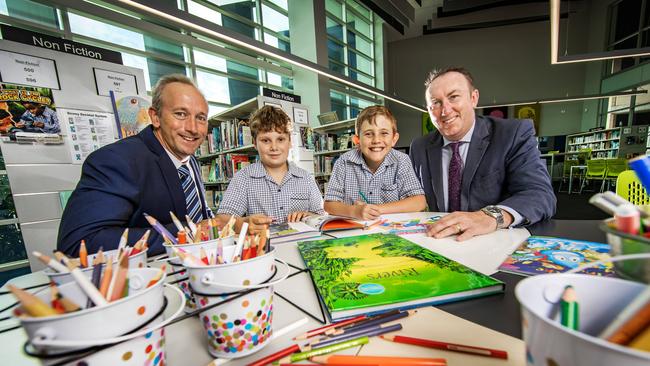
point(496, 213)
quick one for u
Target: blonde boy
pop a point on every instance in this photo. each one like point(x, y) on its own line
point(374, 179)
point(271, 189)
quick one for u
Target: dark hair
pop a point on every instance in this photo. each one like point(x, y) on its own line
point(369, 114)
point(269, 118)
point(435, 73)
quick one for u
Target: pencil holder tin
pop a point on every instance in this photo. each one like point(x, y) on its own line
point(550, 343)
point(138, 260)
point(242, 322)
point(624, 244)
point(194, 249)
point(136, 321)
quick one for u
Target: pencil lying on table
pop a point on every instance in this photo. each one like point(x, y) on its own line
point(378, 360)
point(480, 351)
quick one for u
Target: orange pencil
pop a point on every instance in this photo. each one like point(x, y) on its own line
point(631, 328)
point(378, 360)
point(480, 351)
point(120, 280)
point(158, 276)
point(106, 280)
point(323, 329)
point(83, 254)
point(181, 237)
point(32, 305)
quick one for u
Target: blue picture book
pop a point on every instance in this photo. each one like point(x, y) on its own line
point(544, 254)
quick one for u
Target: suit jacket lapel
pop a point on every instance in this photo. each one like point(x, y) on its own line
point(477, 148)
point(434, 153)
point(169, 172)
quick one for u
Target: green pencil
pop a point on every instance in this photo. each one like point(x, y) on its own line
point(569, 309)
point(365, 199)
point(329, 349)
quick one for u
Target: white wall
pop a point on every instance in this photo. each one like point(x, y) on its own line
point(37, 173)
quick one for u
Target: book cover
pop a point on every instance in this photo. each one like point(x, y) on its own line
point(291, 231)
point(131, 115)
point(325, 223)
point(543, 254)
point(379, 272)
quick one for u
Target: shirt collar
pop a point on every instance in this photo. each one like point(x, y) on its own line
point(357, 158)
point(466, 138)
point(258, 171)
point(177, 163)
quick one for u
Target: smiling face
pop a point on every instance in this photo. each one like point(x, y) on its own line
point(181, 124)
point(376, 140)
point(273, 148)
point(451, 101)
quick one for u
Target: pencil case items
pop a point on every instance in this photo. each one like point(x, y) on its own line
point(87, 336)
point(622, 243)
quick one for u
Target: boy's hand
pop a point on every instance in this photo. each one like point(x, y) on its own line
point(366, 211)
point(298, 215)
point(258, 223)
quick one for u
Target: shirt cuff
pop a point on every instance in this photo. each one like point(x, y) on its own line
point(516, 217)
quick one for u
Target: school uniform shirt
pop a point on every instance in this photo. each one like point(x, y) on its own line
point(393, 181)
point(253, 191)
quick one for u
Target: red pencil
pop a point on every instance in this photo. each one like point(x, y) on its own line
point(323, 329)
point(276, 356)
point(479, 351)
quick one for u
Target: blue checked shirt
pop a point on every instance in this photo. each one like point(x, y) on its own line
point(393, 181)
point(253, 191)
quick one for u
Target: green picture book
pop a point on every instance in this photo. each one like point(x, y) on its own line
point(380, 272)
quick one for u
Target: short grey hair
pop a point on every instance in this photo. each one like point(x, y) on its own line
point(156, 99)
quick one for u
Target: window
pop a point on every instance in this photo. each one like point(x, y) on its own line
point(629, 28)
point(350, 50)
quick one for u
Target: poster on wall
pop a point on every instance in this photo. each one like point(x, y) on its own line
point(121, 84)
point(86, 131)
point(18, 68)
point(529, 111)
point(498, 112)
point(27, 109)
point(131, 115)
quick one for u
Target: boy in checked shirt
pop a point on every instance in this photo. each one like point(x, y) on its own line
point(271, 189)
point(374, 179)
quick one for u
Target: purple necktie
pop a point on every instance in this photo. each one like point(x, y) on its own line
point(455, 177)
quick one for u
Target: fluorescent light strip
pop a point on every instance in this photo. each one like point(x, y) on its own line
point(262, 51)
point(567, 99)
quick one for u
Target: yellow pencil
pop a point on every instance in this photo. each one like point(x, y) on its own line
point(31, 304)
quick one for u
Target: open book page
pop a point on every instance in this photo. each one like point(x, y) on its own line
point(452, 329)
point(483, 253)
point(331, 222)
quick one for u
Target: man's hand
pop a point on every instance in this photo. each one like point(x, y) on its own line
point(465, 224)
point(365, 211)
point(258, 223)
point(298, 215)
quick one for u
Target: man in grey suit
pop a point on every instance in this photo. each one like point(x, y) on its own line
point(486, 171)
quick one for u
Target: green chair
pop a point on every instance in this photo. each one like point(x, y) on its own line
point(596, 169)
point(629, 187)
point(614, 168)
point(566, 172)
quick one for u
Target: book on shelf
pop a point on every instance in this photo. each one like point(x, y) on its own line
point(544, 254)
point(381, 272)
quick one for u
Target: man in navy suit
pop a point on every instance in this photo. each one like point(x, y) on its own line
point(122, 181)
point(486, 171)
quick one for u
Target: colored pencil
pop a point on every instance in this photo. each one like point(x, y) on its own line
point(96, 276)
point(83, 254)
point(106, 279)
point(479, 351)
point(325, 350)
point(240, 242)
point(368, 332)
point(181, 237)
point(54, 299)
point(379, 319)
point(67, 304)
point(124, 239)
point(120, 280)
point(158, 276)
point(48, 261)
point(84, 283)
point(365, 199)
point(32, 305)
point(632, 327)
point(176, 221)
point(630, 311)
point(323, 329)
point(276, 356)
point(160, 229)
point(191, 224)
point(378, 360)
point(569, 309)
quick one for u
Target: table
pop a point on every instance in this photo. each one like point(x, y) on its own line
point(185, 340)
point(579, 167)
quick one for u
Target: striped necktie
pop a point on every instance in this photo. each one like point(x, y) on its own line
point(192, 201)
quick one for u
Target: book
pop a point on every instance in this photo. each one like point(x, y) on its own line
point(327, 223)
point(291, 231)
point(544, 254)
point(380, 272)
point(131, 115)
